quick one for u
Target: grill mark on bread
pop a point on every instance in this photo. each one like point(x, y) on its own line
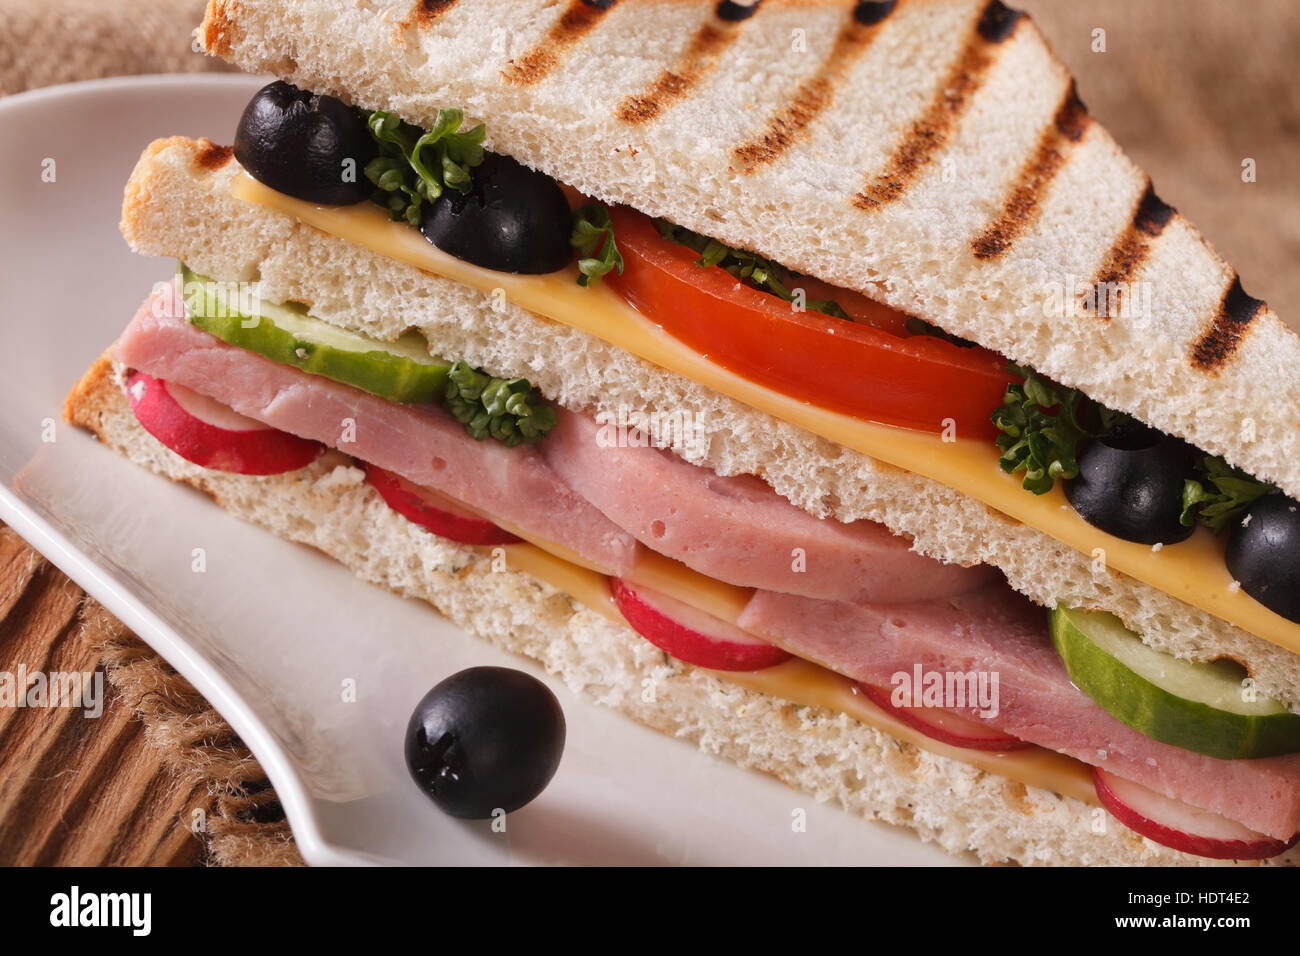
point(732, 12)
point(1022, 204)
point(700, 57)
point(930, 132)
point(1150, 217)
point(998, 21)
point(790, 122)
point(1222, 337)
point(578, 19)
point(211, 156)
point(871, 12)
point(425, 12)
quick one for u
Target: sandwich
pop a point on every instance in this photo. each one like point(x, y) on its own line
point(819, 383)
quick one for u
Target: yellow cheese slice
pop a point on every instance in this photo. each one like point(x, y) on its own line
point(808, 684)
point(655, 571)
point(1192, 571)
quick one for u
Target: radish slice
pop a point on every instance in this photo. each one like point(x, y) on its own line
point(1177, 825)
point(210, 434)
point(943, 725)
point(690, 634)
point(211, 411)
point(434, 511)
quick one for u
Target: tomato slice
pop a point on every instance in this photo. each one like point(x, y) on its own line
point(871, 368)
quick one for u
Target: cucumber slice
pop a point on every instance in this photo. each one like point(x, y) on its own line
point(1198, 707)
point(401, 371)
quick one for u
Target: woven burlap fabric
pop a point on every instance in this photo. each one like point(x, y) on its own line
point(245, 824)
point(43, 42)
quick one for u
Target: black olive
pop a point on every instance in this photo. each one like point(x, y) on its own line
point(485, 739)
point(513, 219)
point(1130, 484)
point(299, 143)
point(1264, 554)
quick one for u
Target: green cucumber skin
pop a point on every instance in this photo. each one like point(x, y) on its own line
point(1160, 715)
point(381, 373)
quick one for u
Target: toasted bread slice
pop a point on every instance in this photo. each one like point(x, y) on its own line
point(178, 204)
point(931, 153)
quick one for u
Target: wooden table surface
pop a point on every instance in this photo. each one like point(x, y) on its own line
point(74, 788)
point(158, 778)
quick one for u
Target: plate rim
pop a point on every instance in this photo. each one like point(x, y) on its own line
point(56, 548)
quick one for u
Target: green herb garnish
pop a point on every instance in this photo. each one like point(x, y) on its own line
point(509, 410)
point(1040, 444)
point(763, 274)
point(593, 237)
point(1219, 494)
point(415, 166)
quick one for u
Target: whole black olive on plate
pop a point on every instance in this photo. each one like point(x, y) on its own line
point(305, 145)
point(485, 739)
point(1130, 484)
point(513, 219)
point(1264, 554)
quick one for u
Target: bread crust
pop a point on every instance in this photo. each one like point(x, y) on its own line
point(824, 754)
point(920, 167)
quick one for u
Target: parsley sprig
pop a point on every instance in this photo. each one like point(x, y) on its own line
point(761, 273)
point(1042, 424)
point(593, 237)
point(509, 410)
point(416, 166)
point(1219, 494)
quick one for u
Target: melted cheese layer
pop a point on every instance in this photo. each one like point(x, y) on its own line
point(808, 684)
point(1192, 571)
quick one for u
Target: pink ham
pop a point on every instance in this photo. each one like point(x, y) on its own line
point(996, 631)
point(423, 444)
point(739, 530)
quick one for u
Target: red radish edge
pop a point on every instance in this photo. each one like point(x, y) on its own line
point(680, 631)
point(435, 512)
point(943, 725)
point(256, 450)
point(1249, 845)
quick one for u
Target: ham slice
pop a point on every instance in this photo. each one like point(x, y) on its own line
point(996, 631)
point(421, 443)
point(941, 617)
point(739, 530)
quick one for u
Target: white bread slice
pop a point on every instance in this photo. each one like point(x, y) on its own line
point(945, 170)
point(828, 755)
point(178, 204)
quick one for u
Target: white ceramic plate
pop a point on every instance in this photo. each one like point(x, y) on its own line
point(270, 631)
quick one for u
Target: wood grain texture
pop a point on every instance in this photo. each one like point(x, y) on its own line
point(157, 779)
